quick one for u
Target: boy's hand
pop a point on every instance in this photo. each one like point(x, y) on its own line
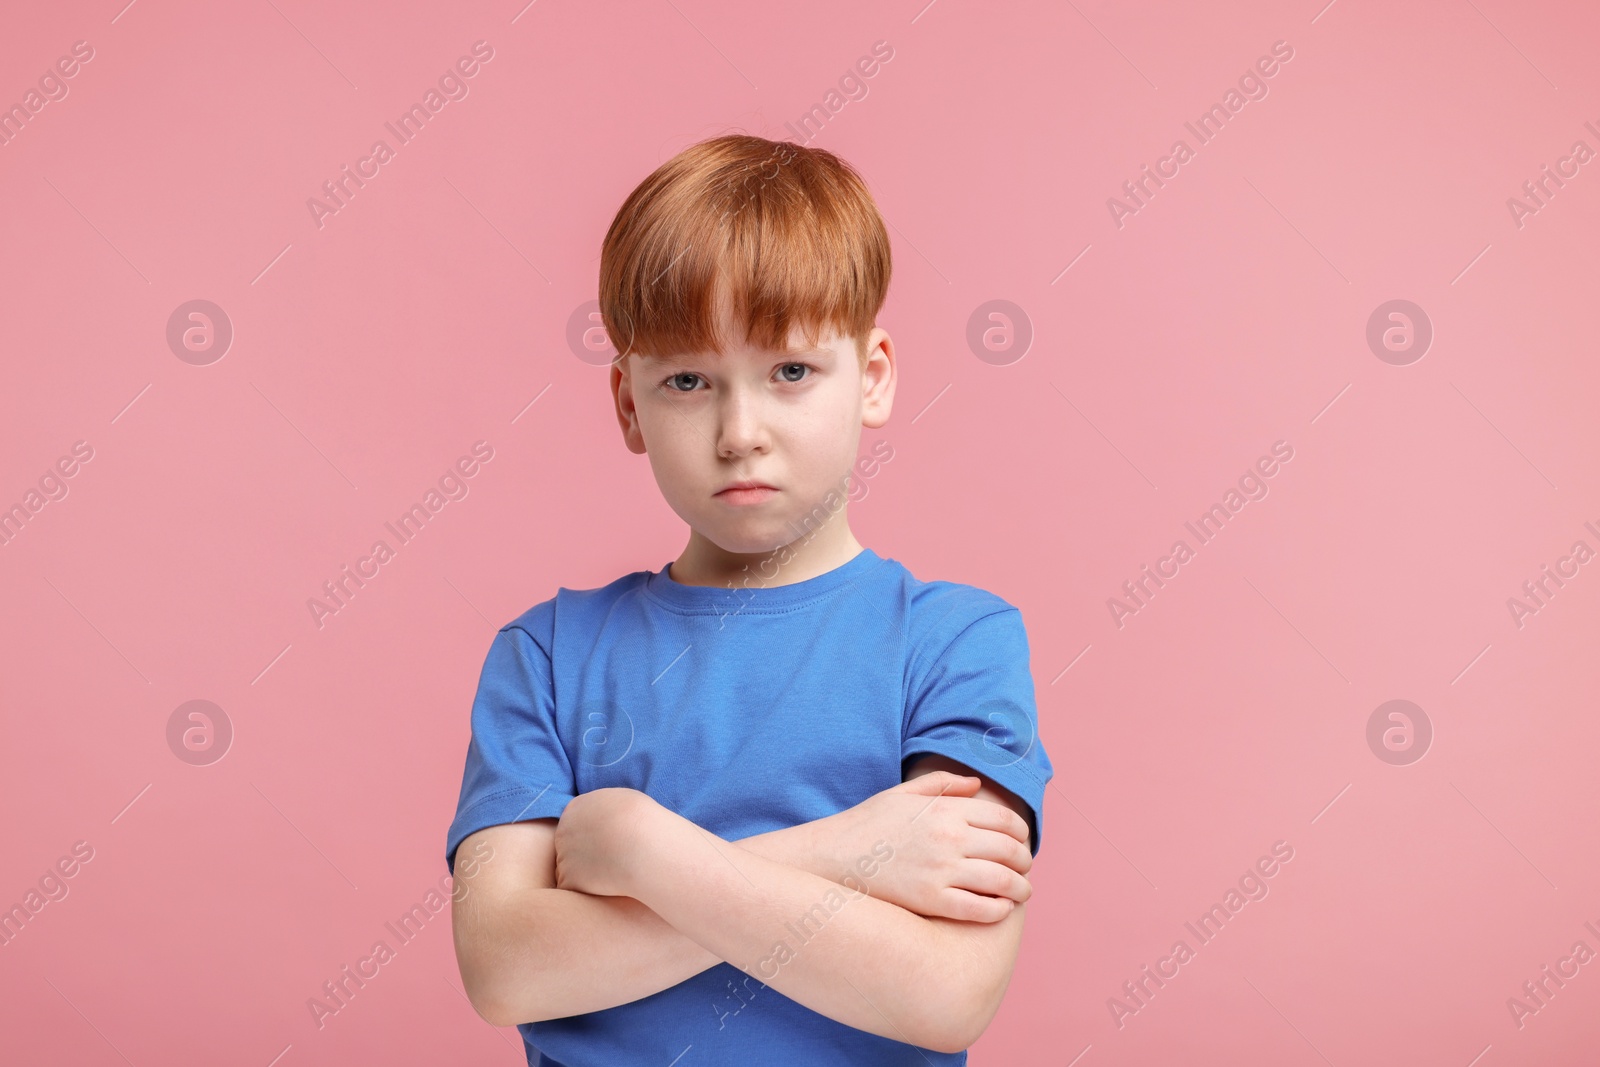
point(956, 856)
point(595, 839)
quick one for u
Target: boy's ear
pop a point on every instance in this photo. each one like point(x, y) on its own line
point(878, 379)
point(622, 397)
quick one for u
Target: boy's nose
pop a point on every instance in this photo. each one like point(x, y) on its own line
point(741, 427)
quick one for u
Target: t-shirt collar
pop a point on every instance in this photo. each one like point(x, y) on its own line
point(749, 594)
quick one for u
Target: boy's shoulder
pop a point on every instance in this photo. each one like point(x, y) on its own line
point(539, 620)
point(941, 595)
point(948, 607)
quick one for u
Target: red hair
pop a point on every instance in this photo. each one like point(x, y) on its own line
point(788, 234)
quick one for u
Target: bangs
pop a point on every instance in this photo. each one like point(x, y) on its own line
point(781, 235)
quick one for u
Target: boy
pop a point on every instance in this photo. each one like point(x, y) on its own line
point(780, 750)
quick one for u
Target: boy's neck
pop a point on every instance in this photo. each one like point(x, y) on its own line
point(703, 562)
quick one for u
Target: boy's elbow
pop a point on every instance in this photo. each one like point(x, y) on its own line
point(497, 1001)
point(498, 1015)
point(500, 996)
point(941, 1043)
point(986, 1005)
point(494, 1006)
point(483, 992)
point(986, 953)
point(973, 1004)
point(489, 1009)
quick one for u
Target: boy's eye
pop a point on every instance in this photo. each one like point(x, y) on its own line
point(685, 381)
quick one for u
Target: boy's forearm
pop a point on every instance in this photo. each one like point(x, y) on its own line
point(852, 957)
point(557, 952)
point(566, 953)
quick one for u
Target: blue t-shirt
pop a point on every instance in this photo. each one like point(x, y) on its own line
point(744, 710)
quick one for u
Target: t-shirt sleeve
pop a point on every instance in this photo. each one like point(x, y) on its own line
point(975, 705)
point(516, 766)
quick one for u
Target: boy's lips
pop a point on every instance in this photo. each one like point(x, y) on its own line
point(745, 492)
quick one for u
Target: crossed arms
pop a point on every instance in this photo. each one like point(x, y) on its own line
point(622, 898)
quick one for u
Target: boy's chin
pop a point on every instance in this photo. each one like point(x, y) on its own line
point(750, 539)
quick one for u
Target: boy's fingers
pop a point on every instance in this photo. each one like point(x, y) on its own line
point(976, 907)
point(993, 880)
point(999, 847)
point(988, 815)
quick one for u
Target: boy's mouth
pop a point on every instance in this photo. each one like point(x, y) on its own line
point(745, 492)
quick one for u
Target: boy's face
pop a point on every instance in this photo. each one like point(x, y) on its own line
point(791, 422)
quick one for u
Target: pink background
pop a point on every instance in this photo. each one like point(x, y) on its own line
point(1228, 313)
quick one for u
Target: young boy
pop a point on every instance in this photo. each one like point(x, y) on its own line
point(774, 803)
